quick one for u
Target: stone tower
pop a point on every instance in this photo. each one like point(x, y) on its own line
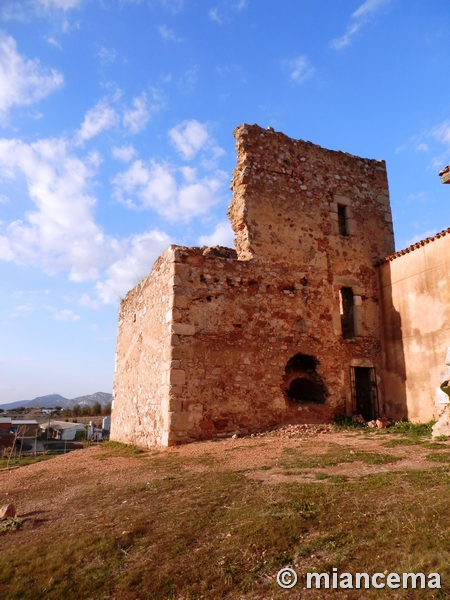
point(286, 328)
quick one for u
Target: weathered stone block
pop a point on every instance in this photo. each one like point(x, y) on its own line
point(352, 227)
point(177, 377)
point(342, 200)
point(183, 329)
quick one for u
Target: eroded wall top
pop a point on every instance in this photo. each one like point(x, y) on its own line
point(289, 194)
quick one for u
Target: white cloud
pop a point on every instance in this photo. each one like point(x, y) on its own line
point(21, 311)
point(66, 315)
point(135, 119)
point(3, 199)
point(22, 81)
point(422, 148)
point(368, 8)
point(168, 34)
point(300, 69)
point(124, 153)
point(136, 264)
point(223, 235)
point(53, 42)
point(189, 137)
point(358, 19)
point(61, 233)
point(62, 4)
point(155, 186)
point(97, 119)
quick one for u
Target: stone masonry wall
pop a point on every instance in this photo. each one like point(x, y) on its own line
point(141, 404)
point(239, 320)
point(239, 324)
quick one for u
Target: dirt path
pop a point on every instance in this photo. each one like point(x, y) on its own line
point(56, 488)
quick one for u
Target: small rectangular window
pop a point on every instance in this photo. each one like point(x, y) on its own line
point(342, 219)
point(347, 313)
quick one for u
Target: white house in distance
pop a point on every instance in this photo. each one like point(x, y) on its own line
point(63, 430)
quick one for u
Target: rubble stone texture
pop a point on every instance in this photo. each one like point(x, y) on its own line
point(216, 342)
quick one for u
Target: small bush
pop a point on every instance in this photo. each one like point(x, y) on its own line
point(412, 429)
point(344, 422)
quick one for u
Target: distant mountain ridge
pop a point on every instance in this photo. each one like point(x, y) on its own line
point(53, 400)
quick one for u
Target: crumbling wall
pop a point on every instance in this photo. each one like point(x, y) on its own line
point(415, 291)
point(286, 195)
point(239, 324)
point(141, 404)
point(256, 336)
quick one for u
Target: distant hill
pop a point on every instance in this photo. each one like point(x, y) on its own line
point(53, 400)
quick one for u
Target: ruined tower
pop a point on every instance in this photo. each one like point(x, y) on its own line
point(286, 327)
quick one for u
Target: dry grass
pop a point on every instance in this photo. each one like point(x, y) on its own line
point(174, 525)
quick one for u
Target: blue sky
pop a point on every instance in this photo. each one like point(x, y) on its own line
point(116, 122)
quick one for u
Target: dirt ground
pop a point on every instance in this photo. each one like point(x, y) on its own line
point(51, 488)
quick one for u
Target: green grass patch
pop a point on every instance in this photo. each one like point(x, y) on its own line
point(401, 441)
point(25, 460)
point(414, 430)
point(441, 457)
point(335, 455)
point(343, 423)
point(118, 449)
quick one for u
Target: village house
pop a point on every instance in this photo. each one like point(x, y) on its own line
point(312, 315)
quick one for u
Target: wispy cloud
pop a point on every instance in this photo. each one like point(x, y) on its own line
point(168, 34)
point(300, 69)
point(106, 55)
point(174, 6)
point(96, 120)
point(61, 4)
point(441, 133)
point(53, 42)
point(213, 14)
point(66, 315)
point(358, 19)
point(419, 237)
point(23, 81)
point(422, 148)
point(222, 13)
point(136, 118)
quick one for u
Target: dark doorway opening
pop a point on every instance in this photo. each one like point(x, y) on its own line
point(304, 390)
point(301, 382)
point(365, 392)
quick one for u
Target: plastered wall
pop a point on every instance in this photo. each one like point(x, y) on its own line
point(416, 307)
